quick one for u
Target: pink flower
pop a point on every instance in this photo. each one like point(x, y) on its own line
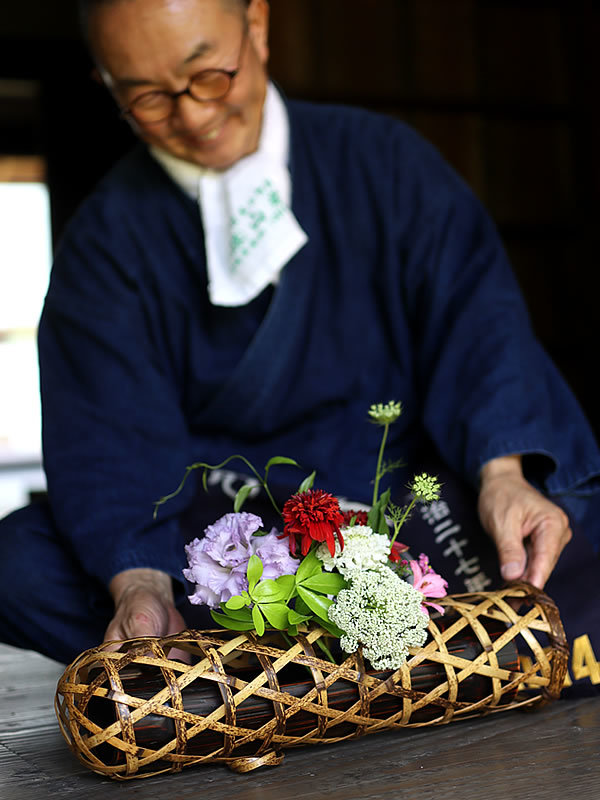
point(428, 582)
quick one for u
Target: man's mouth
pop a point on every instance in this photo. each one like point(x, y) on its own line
point(207, 137)
point(209, 134)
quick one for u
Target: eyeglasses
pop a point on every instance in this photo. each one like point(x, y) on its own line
point(206, 86)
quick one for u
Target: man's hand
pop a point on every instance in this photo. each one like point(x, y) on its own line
point(144, 606)
point(528, 529)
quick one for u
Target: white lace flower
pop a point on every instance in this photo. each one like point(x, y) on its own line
point(363, 550)
point(382, 613)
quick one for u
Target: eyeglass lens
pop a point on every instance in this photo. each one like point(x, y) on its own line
point(206, 85)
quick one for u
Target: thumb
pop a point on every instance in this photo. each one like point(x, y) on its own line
point(511, 554)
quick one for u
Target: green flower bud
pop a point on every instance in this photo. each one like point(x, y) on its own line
point(384, 414)
point(425, 488)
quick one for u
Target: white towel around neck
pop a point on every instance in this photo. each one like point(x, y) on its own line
point(250, 231)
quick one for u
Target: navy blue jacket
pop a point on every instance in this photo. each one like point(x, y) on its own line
point(402, 292)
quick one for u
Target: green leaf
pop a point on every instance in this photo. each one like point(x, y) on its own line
point(376, 517)
point(301, 608)
point(385, 499)
point(307, 483)
point(267, 591)
point(255, 570)
point(232, 624)
point(373, 518)
point(317, 603)
point(293, 630)
point(242, 615)
point(235, 602)
point(287, 583)
point(260, 533)
point(325, 583)
point(258, 620)
point(309, 565)
point(330, 627)
point(276, 614)
point(280, 460)
point(241, 497)
point(295, 618)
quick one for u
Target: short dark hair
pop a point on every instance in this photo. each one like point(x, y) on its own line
point(87, 6)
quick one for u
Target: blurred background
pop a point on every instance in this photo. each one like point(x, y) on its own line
point(507, 91)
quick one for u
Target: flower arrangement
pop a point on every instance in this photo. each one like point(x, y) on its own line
point(346, 572)
point(340, 581)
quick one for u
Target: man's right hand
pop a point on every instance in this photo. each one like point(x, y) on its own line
point(144, 606)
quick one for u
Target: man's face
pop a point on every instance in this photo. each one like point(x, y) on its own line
point(153, 45)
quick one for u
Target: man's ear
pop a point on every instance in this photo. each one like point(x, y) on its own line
point(258, 27)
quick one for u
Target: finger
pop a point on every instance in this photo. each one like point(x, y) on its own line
point(113, 634)
point(146, 622)
point(132, 625)
point(512, 555)
point(545, 548)
point(111, 645)
point(180, 655)
point(539, 570)
point(504, 526)
point(176, 625)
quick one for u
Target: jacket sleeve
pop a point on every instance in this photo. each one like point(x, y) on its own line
point(114, 435)
point(488, 387)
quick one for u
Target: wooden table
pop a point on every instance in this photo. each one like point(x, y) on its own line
point(547, 754)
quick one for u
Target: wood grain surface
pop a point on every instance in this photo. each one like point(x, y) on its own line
point(547, 754)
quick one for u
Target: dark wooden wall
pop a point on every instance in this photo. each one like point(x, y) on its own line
point(506, 89)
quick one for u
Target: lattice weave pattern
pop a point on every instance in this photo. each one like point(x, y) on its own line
point(243, 700)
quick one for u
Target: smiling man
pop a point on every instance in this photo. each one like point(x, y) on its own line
point(190, 77)
point(249, 279)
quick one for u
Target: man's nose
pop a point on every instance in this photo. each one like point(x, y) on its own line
point(192, 114)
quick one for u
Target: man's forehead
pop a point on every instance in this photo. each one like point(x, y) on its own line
point(135, 40)
point(87, 7)
point(107, 16)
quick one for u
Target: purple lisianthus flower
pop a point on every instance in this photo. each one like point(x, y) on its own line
point(274, 553)
point(228, 540)
point(218, 562)
point(214, 584)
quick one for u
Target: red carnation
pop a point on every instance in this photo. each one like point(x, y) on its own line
point(313, 515)
point(359, 517)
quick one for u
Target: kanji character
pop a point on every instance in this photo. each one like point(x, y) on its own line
point(434, 511)
point(447, 532)
point(477, 582)
point(468, 565)
point(455, 547)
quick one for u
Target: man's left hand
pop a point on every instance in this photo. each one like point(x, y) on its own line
point(529, 530)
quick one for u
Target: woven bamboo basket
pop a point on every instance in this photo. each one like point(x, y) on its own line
point(243, 700)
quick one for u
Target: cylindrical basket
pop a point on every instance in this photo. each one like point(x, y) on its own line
point(244, 699)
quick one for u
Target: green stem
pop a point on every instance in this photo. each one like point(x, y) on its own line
point(198, 464)
point(291, 643)
point(402, 520)
point(265, 486)
point(326, 650)
point(378, 472)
